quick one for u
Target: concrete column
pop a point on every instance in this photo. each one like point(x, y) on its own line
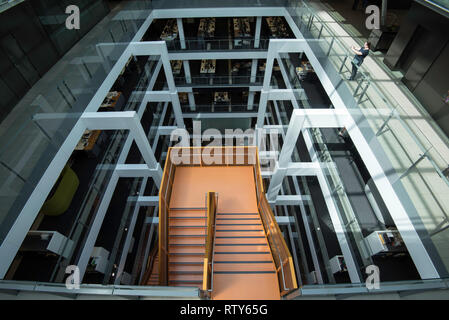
point(191, 101)
point(257, 34)
point(186, 65)
point(383, 15)
point(251, 100)
point(253, 71)
point(294, 129)
point(181, 33)
point(262, 108)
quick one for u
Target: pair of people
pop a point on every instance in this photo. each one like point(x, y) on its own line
point(360, 55)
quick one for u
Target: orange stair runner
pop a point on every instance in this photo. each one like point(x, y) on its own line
point(243, 265)
point(187, 234)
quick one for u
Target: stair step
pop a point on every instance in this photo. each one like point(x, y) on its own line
point(187, 235)
point(254, 248)
point(238, 219)
point(242, 272)
point(188, 209)
point(186, 249)
point(219, 241)
point(243, 252)
point(198, 240)
point(181, 214)
point(187, 223)
point(240, 233)
point(239, 228)
point(186, 263)
point(184, 272)
point(237, 213)
point(188, 217)
point(242, 256)
point(239, 223)
point(188, 226)
point(186, 277)
point(185, 267)
point(185, 259)
point(239, 266)
point(186, 281)
point(186, 254)
point(183, 244)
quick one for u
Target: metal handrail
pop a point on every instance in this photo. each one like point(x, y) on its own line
point(387, 102)
point(271, 228)
point(213, 244)
point(209, 254)
point(277, 248)
point(163, 219)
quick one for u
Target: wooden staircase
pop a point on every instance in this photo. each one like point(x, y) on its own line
point(243, 264)
point(187, 235)
point(154, 276)
point(239, 251)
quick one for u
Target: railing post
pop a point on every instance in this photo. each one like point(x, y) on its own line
point(424, 155)
point(330, 46)
point(343, 64)
point(368, 83)
point(321, 30)
point(380, 131)
point(309, 24)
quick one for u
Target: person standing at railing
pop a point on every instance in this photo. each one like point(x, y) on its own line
point(360, 55)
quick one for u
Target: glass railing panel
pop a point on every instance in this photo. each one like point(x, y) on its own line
point(387, 128)
point(163, 4)
point(216, 44)
point(38, 125)
point(213, 80)
point(91, 202)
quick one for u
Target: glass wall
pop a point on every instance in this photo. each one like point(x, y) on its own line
point(34, 130)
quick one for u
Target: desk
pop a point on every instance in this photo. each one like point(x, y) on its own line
point(241, 30)
point(206, 28)
point(385, 241)
point(277, 27)
point(208, 66)
point(176, 66)
point(304, 70)
point(264, 66)
point(170, 31)
point(111, 100)
point(88, 140)
point(221, 97)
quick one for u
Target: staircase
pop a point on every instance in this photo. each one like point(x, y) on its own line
point(187, 234)
point(243, 263)
point(154, 276)
point(239, 251)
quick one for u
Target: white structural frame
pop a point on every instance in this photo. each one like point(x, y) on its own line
point(301, 120)
point(339, 117)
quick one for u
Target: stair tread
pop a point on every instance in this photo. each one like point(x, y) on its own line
point(241, 256)
point(185, 277)
point(247, 267)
